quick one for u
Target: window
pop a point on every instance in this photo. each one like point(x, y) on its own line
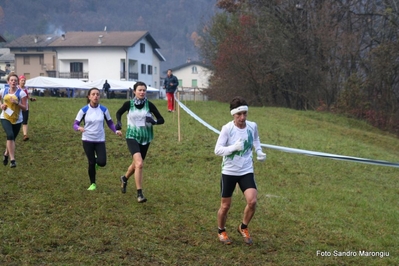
point(194, 83)
point(194, 70)
point(155, 70)
point(26, 60)
point(180, 82)
point(41, 60)
point(149, 70)
point(142, 48)
point(143, 68)
point(76, 67)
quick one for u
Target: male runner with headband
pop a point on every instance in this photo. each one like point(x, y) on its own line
point(235, 144)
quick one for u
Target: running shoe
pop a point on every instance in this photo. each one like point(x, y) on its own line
point(123, 184)
point(224, 238)
point(141, 199)
point(13, 164)
point(245, 234)
point(5, 159)
point(92, 187)
point(26, 138)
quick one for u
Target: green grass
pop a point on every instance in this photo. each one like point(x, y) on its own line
point(305, 203)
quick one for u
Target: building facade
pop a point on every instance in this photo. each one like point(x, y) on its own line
point(192, 74)
point(129, 55)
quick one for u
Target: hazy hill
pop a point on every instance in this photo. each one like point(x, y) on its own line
point(170, 22)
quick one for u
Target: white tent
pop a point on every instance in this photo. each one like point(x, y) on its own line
point(117, 85)
point(56, 83)
point(73, 87)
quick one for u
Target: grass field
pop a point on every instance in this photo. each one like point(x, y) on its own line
point(310, 210)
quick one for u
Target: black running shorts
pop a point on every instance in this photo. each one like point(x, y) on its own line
point(228, 183)
point(135, 147)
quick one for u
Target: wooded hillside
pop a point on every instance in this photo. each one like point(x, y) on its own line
point(171, 22)
point(339, 56)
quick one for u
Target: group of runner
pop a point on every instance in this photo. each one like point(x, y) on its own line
point(236, 142)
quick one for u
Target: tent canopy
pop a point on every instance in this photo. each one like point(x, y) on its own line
point(116, 85)
point(46, 82)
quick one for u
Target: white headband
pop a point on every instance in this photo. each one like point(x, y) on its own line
point(239, 109)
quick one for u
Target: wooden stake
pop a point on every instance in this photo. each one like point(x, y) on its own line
point(178, 118)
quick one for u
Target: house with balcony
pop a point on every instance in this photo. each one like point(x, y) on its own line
point(32, 56)
point(118, 55)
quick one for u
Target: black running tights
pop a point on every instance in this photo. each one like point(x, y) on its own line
point(93, 150)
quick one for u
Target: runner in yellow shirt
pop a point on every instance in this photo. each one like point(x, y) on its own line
point(13, 102)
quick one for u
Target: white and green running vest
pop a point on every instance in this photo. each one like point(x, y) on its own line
point(137, 128)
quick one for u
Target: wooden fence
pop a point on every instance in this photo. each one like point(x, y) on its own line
point(192, 94)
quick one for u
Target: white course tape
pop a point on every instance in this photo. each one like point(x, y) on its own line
point(299, 151)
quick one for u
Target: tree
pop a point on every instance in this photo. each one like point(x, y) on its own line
point(307, 53)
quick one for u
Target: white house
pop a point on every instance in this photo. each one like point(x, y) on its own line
point(193, 74)
point(121, 55)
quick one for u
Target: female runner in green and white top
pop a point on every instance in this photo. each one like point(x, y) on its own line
point(139, 134)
